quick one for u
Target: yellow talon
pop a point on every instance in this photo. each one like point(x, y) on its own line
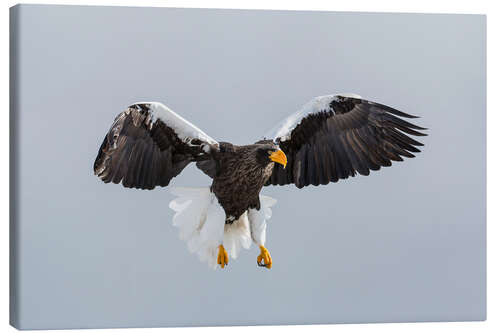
point(264, 256)
point(222, 258)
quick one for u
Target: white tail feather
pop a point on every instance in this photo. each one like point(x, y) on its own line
point(201, 223)
point(237, 236)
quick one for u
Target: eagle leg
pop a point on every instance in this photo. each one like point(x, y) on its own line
point(264, 256)
point(222, 257)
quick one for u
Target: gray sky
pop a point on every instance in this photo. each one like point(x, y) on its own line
point(407, 243)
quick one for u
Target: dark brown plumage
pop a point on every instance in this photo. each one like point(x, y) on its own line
point(240, 176)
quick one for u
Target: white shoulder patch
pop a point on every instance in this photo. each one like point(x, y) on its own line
point(185, 130)
point(284, 129)
point(350, 95)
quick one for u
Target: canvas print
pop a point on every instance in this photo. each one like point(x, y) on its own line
point(324, 167)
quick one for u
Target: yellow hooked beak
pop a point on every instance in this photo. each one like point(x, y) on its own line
point(278, 157)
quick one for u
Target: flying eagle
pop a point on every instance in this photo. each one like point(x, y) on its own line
point(330, 138)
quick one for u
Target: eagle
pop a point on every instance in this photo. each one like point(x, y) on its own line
point(330, 138)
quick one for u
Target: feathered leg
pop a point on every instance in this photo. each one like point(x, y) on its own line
point(257, 219)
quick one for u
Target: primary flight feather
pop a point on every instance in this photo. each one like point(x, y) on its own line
point(330, 138)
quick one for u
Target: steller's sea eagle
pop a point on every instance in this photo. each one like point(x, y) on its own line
point(330, 138)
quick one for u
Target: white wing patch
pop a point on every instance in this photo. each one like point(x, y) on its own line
point(201, 223)
point(284, 129)
point(185, 130)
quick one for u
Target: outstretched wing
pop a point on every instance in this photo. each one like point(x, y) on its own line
point(149, 144)
point(336, 136)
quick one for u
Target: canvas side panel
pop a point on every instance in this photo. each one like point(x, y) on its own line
point(13, 166)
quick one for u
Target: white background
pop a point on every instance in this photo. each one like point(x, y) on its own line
point(480, 7)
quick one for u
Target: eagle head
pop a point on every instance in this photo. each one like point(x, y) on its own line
point(270, 154)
